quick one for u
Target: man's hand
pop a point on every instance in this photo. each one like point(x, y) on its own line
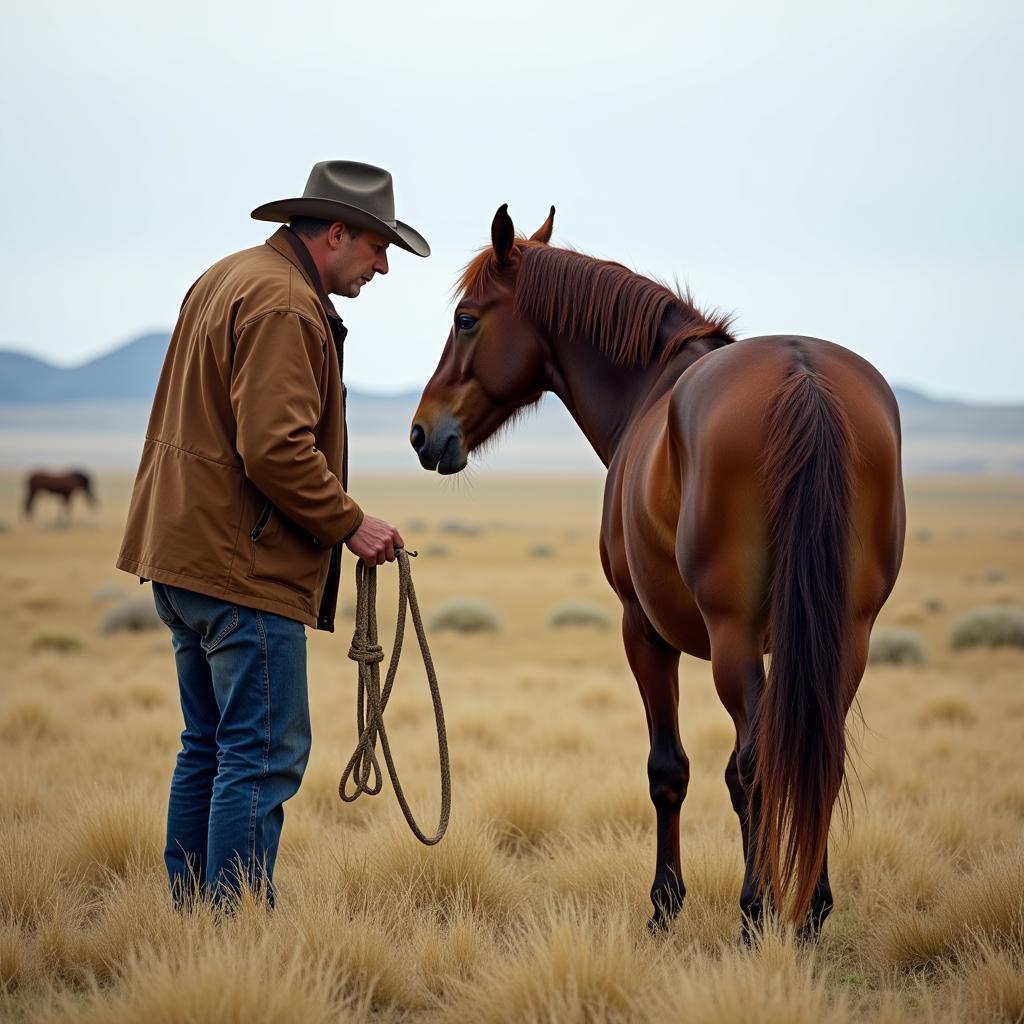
point(375, 541)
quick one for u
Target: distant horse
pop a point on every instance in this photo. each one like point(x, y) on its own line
point(754, 503)
point(62, 484)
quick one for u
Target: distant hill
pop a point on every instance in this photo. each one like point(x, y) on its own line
point(130, 371)
point(97, 412)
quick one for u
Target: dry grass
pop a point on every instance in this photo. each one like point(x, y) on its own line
point(134, 615)
point(533, 908)
point(894, 646)
point(988, 627)
point(575, 613)
point(464, 615)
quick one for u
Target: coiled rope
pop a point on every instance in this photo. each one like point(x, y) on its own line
point(372, 700)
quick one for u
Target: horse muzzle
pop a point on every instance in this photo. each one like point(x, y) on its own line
point(440, 448)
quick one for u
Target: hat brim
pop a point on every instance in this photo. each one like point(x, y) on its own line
point(282, 211)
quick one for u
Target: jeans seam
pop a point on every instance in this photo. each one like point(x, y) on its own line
point(265, 766)
point(224, 632)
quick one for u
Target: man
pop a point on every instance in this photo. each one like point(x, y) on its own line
point(240, 507)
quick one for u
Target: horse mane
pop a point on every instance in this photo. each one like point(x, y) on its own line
point(568, 292)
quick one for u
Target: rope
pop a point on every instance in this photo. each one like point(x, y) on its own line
point(372, 700)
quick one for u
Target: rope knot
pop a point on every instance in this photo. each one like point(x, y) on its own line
point(365, 653)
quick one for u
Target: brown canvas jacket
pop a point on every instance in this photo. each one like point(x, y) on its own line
point(240, 492)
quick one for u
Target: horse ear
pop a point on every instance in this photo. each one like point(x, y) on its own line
point(503, 233)
point(543, 233)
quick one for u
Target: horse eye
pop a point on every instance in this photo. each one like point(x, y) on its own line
point(464, 322)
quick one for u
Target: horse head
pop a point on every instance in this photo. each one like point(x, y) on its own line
point(85, 483)
point(493, 363)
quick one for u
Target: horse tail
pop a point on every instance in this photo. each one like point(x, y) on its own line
point(800, 722)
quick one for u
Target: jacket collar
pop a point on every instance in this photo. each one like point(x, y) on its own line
point(292, 248)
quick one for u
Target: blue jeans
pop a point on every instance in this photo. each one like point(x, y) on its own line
point(242, 677)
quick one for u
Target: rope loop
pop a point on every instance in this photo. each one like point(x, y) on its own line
point(372, 700)
point(366, 654)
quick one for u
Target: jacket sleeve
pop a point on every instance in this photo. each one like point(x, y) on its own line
point(275, 396)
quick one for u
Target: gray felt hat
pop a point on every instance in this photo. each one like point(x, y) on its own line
point(358, 194)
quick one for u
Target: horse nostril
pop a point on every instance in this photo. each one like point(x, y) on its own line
point(418, 438)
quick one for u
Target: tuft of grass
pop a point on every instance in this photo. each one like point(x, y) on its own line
point(463, 870)
point(358, 942)
point(950, 709)
point(133, 616)
point(223, 977)
point(31, 877)
point(994, 575)
point(15, 961)
point(992, 979)
point(986, 904)
point(775, 982)
point(59, 643)
point(541, 551)
point(523, 810)
point(573, 965)
point(460, 528)
point(988, 627)
point(114, 833)
point(30, 718)
point(574, 613)
point(465, 615)
point(891, 646)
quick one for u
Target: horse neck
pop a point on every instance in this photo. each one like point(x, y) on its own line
point(605, 397)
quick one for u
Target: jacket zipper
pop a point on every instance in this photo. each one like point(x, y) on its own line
point(261, 523)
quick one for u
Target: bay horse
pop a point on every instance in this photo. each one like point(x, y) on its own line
point(754, 504)
point(64, 485)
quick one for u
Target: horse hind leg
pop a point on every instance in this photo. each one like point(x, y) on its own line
point(821, 906)
point(655, 666)
point(737, 665)
point(737, 794)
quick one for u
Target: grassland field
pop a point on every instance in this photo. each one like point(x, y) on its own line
point(533, 907)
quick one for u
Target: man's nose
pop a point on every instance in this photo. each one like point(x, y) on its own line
point(381, 266)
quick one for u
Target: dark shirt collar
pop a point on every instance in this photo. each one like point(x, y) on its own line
point(284, 235)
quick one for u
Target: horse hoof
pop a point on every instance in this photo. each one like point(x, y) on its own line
point(750, 933)
point(809, 934)
point(663, 916)
point(657, 925)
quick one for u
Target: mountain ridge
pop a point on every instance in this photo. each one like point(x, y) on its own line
point(131, 370)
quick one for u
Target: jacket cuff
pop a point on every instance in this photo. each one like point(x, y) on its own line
point(355, 524)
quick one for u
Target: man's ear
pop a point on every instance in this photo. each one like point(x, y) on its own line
point(336, 233)
point(543, 233)
point(503, 234)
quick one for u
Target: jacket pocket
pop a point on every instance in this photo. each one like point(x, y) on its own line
point(261, 523)
point(284, 554)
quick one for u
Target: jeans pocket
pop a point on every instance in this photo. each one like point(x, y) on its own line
point(219, 626)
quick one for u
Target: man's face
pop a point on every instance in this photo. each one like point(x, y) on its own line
point(353, 260)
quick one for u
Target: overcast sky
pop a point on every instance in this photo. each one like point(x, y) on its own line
point(851, 171)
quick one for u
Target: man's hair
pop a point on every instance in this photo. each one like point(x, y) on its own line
point(314, 227)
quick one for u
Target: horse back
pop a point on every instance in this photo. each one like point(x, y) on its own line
point(719, 421)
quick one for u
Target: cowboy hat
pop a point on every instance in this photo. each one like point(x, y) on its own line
point(350, 192)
